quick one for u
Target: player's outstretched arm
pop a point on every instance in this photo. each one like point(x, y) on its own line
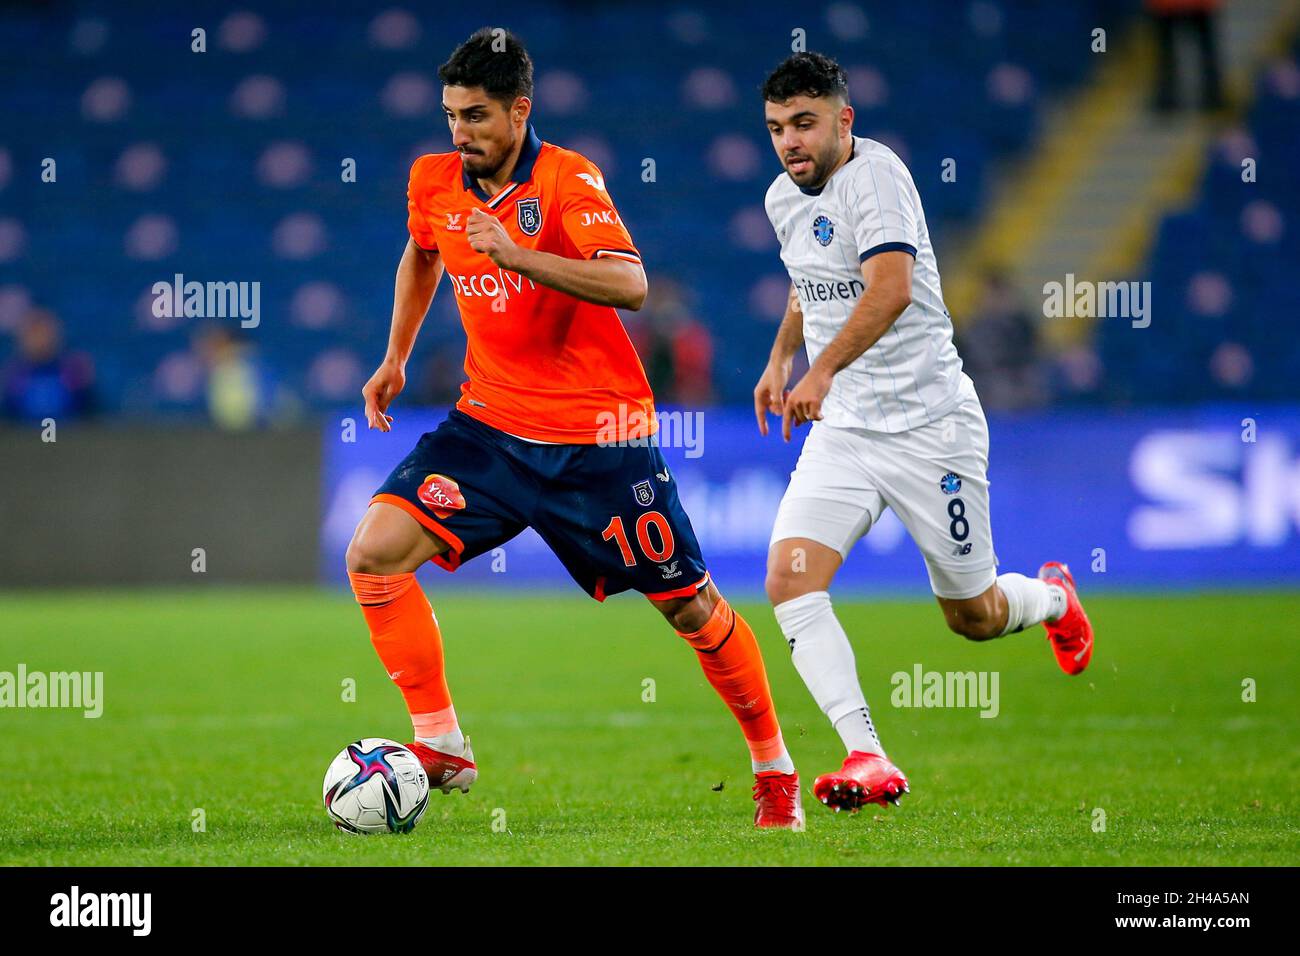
point(616, 282)
point(418, 275)
point(769, 393)
point(888, 278)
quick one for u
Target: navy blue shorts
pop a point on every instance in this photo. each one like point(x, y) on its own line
point(610, 513)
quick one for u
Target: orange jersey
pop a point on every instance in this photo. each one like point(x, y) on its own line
point(541, 364)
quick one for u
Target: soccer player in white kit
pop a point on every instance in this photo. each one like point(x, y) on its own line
point(897, 423)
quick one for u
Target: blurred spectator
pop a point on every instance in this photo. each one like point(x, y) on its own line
point(1196, 20)
point(1077, 375)
point(1000, 351)
point(675, 347)
point(241, 391)
point(43, 379)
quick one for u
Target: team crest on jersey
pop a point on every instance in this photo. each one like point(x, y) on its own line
point(644, 492)
point(441, 495)
point(530, 216)
point(950, 484)
point(823, 230)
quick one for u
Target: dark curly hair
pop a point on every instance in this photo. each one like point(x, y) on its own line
point(806, 74)
point(494, 59)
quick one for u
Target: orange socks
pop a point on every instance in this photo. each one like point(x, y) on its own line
point(405, 633)
point(732, 663)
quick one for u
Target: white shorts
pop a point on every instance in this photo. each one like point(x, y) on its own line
point(934, 478)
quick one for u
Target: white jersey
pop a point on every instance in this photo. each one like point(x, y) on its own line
point(912, 375)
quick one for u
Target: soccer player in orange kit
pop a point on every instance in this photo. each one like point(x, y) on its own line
point(539, 260)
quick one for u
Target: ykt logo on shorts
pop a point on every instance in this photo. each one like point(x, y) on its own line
point(441, 495)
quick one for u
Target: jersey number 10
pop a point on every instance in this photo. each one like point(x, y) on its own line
point(614, 531)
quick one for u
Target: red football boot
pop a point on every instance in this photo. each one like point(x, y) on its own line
point(1071, 634)
point(446, 772)
point(777, 800)
point(864, 778)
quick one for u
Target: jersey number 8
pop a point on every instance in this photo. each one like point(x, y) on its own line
point(959, 528)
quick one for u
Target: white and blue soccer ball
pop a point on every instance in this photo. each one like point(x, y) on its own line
point(375, 785)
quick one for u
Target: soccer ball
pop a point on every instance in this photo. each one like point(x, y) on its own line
point(375, 786)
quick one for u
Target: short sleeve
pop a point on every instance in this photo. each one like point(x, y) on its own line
point(885, 204)
point(416, 222)
point(588, 215)
point(770, 202)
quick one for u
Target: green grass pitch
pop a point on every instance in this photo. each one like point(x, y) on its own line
point(232, 701)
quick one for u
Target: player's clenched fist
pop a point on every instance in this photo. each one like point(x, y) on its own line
point(383, 387)
point(769, 393)
point(486, 235)
point(804, 403)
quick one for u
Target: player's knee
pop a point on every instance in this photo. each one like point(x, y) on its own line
point(686, 615)
point(689, 614)
point(785, 583)
point(369, 553)
point(972, 624)
point(796, 567)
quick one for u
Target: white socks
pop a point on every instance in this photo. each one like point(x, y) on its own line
point(781, 764)
point(452, 742)
point(824, 659)
point(1030, 601)
point(823, 656)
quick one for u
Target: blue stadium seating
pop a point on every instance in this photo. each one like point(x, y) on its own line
point(316, 80)
point(1223, 271)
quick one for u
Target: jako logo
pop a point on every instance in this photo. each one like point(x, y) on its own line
point(603, 215)
point(103, 909)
